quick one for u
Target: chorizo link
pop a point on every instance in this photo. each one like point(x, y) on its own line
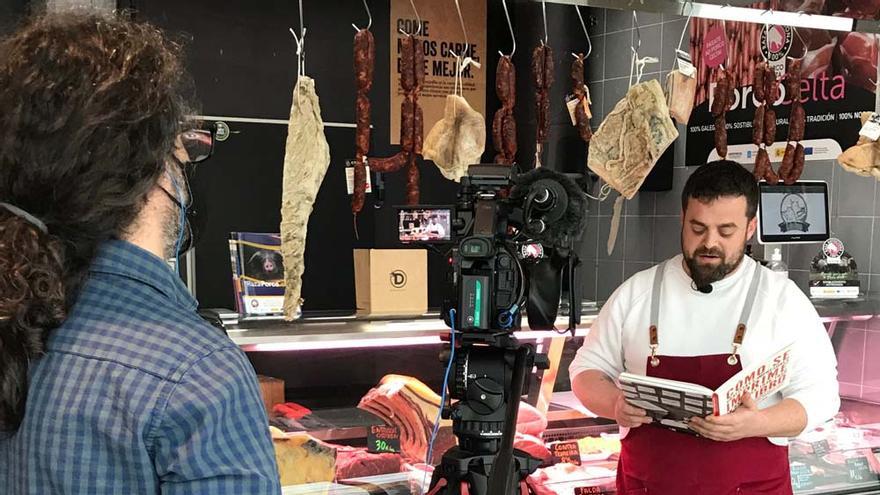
point(787, 163)
point(758, 84)
point(769, 126)
point(721, 135)
point(797, 122)
point(758, 126)
point(721, 94)
point(407, 64)
point(799, 161)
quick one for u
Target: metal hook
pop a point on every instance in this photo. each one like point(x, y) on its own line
point(510, 27)
point(686, 23)
point(418, 30)
point(638, 33)
point(586, 33)
point(546, 40)
point(463, 29)
point(369, 15)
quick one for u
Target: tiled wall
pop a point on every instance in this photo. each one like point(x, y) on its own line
point(650, 227)
point(858, 370)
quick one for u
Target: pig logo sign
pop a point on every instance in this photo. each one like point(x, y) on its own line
point(775, 44)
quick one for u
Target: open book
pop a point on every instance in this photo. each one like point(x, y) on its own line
point(672, 403)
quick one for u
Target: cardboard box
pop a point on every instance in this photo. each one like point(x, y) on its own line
point(272, 390)
point(391, 282)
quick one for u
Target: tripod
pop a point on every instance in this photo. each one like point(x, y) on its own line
point(489, 381)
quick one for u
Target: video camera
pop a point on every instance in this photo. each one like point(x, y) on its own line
point(512, 237)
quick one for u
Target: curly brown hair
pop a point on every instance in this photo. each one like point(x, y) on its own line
point(91, 106)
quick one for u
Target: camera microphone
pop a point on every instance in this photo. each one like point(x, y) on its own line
point(542, 197)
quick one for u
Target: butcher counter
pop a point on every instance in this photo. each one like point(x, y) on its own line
point(328, 363)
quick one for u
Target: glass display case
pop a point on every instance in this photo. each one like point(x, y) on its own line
point(331, 366)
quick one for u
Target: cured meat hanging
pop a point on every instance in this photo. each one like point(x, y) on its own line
point(306, 159)
point(793, 160)
point(764, 124)
point(579, 89)
point(542, 74)
point(504, 123)
point(412, 77)
point(364, 61)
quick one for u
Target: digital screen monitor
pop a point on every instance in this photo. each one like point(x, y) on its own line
point(793, 214)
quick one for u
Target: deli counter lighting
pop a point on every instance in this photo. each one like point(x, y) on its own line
point(729, 13)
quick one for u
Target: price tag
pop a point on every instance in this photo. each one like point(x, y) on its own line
point(566, 452)
point(801, 477)
point(591, 490)
point(349, 177)
point(859, 470)
point(685, 64)
point(821, 447)
point(871, 129)
point(571, 102)
point(383, 439)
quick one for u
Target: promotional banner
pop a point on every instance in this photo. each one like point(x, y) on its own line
point(839, 71)
point(442, 39)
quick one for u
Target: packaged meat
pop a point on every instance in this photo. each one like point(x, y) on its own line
point(680, 92)
point(306, 159)
point(632, 137)
point(457, 140)
point(563, 478)
point(533, 446)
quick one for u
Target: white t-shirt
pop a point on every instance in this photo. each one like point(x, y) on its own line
point(693, 324)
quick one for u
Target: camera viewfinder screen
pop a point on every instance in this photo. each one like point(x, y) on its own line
point(425, 224)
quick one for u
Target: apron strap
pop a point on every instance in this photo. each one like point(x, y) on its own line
point(750, 297)
point(653, 339)
point(655, 294)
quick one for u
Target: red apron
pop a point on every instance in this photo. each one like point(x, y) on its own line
point(655, 460)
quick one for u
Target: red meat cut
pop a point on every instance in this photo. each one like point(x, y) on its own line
point(353, 462)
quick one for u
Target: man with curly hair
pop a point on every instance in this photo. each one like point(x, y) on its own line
point(110, 383)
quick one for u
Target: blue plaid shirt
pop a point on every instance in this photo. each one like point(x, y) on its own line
point(137, 395)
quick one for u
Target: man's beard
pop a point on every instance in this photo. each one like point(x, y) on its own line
point(171, 230)
point(703, 275)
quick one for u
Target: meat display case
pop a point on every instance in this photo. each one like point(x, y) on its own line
point(330, 363)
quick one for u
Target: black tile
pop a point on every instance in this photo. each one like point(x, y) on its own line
point(617, 20)
point(856, 236)
point(589, 274)
point(667, 237)
point(651, 45)
point(801, 255)
point(855, 194)
point(669, 202)
point(630, 268)
point(618, 54)
point(597, 96)
point(610, 276)
point(641, 205)
point(639, 242)
point(648, 18)
point(595, 63)
point(615, 90)
point(875, 252)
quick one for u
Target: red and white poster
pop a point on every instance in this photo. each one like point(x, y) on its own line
point(839, 72)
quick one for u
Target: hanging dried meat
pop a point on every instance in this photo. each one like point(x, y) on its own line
point(364, 61)
point(766, 90)
point(542, 74)
point(582, 107)
point(632, 137)
point(504, 123)
point(306, 159)
point(412, 77)
point(793, 161)
point(458, 140)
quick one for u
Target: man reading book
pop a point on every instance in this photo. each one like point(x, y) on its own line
point(700, 317)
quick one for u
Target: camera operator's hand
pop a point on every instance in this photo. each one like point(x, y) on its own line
point(628, 415)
